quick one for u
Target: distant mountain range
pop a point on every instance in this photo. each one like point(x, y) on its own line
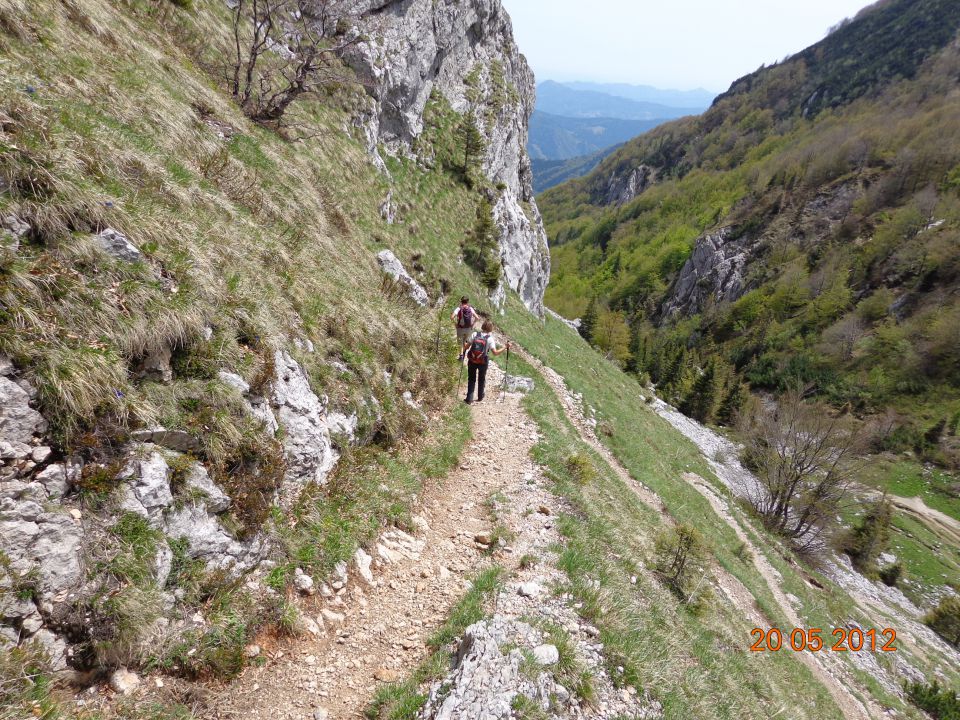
point(697, 100)
point(575, 125)
point(555, 137)
point(558, 99)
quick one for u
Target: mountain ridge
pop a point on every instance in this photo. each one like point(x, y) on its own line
point(554, 137)
point(792, 184)
point(558, 99)
point(697, 99)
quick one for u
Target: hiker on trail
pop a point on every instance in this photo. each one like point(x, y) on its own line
point(478, 350)
point(464, 317)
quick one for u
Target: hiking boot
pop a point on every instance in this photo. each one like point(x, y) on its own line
point(468, 401)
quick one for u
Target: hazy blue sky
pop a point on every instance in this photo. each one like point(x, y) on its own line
point(668, 43)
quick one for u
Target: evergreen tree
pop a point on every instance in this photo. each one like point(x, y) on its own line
point(702, 399)
point(671, 370)
point(480, 249)
point(867, 540)
point(472, 145)
point(589, 320)
point(733, 400)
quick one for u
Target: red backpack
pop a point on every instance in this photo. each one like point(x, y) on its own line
point(465, 317)
point(478, 352)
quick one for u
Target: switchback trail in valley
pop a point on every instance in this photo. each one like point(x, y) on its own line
point(851, 706)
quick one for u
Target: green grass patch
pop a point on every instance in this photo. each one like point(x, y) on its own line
point(909, 478)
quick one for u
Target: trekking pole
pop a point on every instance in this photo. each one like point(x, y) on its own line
point(459, 379)
point(441, 310)
point(439, 325)
point(506, 374)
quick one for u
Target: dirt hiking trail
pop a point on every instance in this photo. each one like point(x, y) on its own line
point(378, 633)
point(374, 631)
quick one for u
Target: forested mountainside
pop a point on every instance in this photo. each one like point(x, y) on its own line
point(226, 231)
point(804, 230)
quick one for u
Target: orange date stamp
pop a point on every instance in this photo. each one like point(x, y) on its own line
point(813, 640)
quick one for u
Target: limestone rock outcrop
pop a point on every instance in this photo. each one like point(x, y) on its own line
point(466, 52)
point(714, 270)
point(392, 266)
point(621, 189)
point(307, 444)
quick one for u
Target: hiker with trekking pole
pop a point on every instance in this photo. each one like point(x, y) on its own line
point(478, 350)
point(464, 318)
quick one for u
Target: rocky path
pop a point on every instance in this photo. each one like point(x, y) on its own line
point(375, 632)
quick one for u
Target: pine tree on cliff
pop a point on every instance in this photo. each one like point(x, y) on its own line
point(471, 141)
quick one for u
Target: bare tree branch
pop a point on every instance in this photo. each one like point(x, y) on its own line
point(282, 55)
point(804, 458)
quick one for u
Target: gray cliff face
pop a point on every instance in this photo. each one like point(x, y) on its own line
point(621, 189)
point(715, 270)
point(465, 51)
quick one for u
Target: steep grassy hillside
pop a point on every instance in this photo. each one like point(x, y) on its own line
point(242, 244)
point(822, 198)
point(611, 537)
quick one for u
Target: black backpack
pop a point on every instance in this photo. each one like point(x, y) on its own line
point(465, 320)
point(479, 351)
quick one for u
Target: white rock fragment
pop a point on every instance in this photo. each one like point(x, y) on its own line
point(116, 244)
point(530, 590)
point(303, 582)
point(124, 682)
point(363, 560)
point(235, 381)
point(546, 654)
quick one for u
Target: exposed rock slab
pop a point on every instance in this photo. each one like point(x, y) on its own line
point(523, 250)
point(394, 268)
point(44, 543)
point(307, 444)
point(18, 421)
point(621, 188)
point(714, 270)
